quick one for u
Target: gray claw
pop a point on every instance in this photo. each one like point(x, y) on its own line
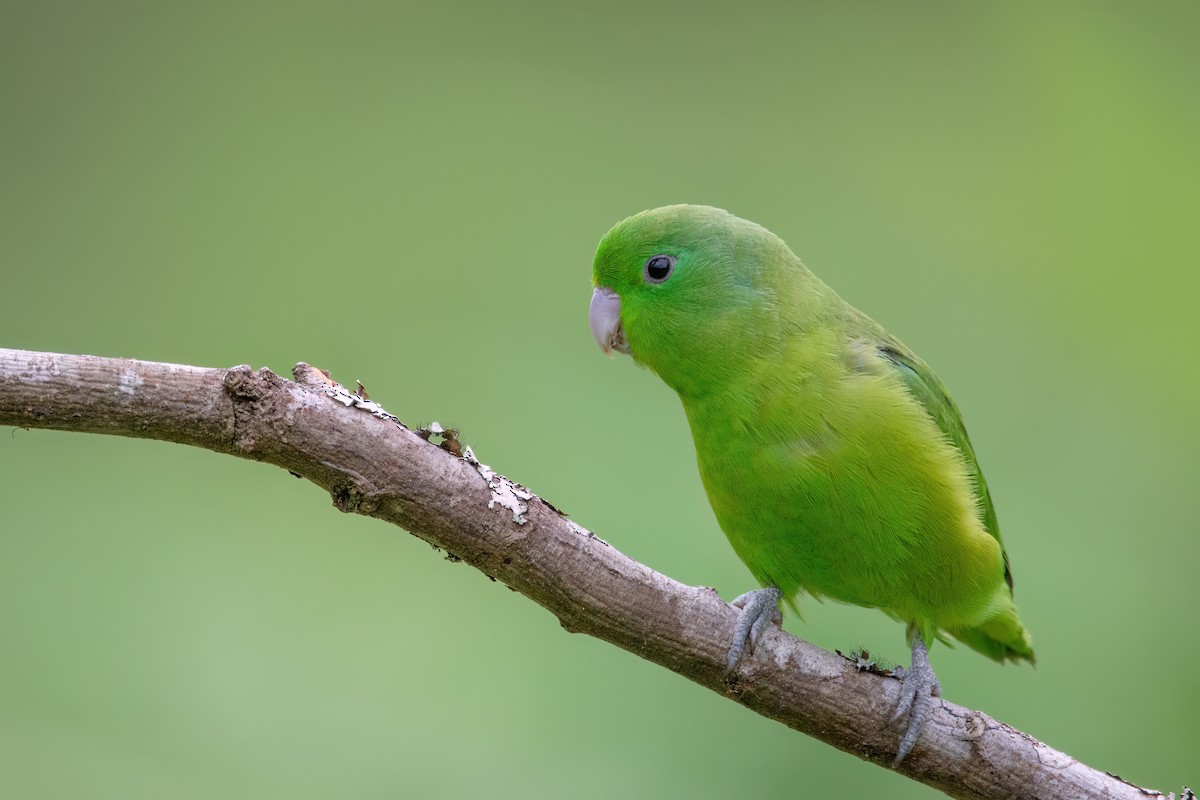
point(916, 697)
point(760, 608)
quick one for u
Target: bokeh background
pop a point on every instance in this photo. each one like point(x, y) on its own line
point(410, 195)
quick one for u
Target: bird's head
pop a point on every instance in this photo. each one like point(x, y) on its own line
point(687, 290)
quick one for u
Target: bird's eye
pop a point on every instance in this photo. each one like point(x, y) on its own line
point(659, 268)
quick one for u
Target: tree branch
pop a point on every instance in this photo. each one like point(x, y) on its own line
point(371, 464)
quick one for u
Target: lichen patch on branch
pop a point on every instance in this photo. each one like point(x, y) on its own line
point(319, 379)
point(505, 493)
point(129, 381)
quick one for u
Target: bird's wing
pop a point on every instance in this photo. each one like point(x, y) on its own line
point(929, 392)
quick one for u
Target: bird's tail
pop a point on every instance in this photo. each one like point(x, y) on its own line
point(1002, 637)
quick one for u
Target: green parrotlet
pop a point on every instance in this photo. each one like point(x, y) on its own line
point(834, 459)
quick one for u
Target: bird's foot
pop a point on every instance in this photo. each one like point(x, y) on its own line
point(759, 608)
point(916, 697)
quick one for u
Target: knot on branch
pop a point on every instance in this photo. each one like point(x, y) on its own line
point(975, 727)
point(352, 500)
point(254, 396)
point(243, 383)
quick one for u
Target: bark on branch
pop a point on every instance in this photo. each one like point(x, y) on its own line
point(371, 464)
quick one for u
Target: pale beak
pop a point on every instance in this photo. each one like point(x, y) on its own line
point(604, 316)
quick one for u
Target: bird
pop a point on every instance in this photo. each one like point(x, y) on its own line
point(834, 460)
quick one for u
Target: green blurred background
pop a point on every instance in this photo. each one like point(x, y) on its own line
point(410, 196)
